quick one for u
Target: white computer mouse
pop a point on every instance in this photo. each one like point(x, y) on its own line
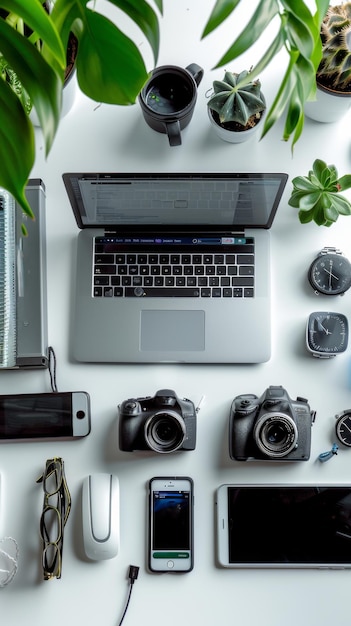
point(100, 512)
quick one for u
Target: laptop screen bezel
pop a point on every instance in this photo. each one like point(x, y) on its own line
point(77, 204)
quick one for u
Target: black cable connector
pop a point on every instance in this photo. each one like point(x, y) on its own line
point(132, 575)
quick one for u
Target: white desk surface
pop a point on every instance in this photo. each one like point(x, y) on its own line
point(109, 138)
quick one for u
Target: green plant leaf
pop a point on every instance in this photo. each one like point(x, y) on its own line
point(309, 201)
point(220, 12)
point(159, 4)
point(344, 182)
point(295, 197)
point(106, 61)
point(295, 114)
point(299, 34)
point(35, 16)
point(322, 7)
point(331, 214)
point(303, 184)
point(263, 15)
point(333, 173)
point(341, 204)
point(144, 16)
point(319, 216)
point(17, 152)
point(42, 83)
point(305, 216)
point(272, 50)
point(109, 65)
point(319, 167)
point(299, 9)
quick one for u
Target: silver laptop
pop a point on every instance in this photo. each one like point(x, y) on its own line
point(173, 267)
point(23, 287)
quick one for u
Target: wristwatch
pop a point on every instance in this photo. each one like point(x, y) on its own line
point(330, 272)
point(326, 334)
point(343, 427)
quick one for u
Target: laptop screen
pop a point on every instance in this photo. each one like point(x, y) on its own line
point(149, 201)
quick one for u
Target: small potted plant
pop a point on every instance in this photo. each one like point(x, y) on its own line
point(317, 195)
point(236, 106)
point(293, 27)
point(334, 71)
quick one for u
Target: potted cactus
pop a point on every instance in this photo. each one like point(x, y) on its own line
point(317, 196)
point(236, 106)
point(334, 71)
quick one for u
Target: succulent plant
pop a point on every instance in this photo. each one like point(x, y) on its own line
point(236, 98)
point(318, 194)
point(335, 66)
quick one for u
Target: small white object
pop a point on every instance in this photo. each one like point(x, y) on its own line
point(8, 560)
point(100, 512)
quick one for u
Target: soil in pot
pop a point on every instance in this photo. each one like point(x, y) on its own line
point(235, 126)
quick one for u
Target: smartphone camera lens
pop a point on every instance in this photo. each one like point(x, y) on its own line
point(164, 432)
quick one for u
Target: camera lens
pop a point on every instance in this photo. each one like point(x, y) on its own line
point(164, 431)
point(275, 434)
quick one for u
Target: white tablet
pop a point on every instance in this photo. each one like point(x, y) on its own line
point(284, 526)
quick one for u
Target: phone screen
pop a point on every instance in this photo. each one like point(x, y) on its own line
point(171, 528)
point(33, 416)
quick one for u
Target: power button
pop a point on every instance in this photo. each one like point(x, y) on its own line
point(170, 564)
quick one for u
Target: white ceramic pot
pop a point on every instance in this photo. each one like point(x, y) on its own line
point(233, 136)
point(330, 106)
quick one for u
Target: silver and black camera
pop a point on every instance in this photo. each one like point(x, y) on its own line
point(272, 427)
point(163, 423)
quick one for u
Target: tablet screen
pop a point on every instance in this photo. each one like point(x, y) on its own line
point(289, 525)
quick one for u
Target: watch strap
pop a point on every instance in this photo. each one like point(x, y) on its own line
point(342, 414)
point(323, 356)
point(330, 250)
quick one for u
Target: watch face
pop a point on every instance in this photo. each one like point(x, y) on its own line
point(343, 428)
point(330, 274)
point(327, 333)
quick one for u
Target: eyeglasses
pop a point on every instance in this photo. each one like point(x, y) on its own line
point(56, 509)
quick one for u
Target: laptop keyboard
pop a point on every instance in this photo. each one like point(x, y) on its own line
point(174, 274)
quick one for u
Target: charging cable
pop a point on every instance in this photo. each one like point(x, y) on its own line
point(52, 368)
point(132, 575)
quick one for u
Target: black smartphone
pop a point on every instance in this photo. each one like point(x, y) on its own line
point(45, 416)
point(171, 517)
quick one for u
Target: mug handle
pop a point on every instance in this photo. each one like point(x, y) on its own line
point(196, 71)
point(173, 132)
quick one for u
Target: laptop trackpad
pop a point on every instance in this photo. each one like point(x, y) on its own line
point(172, 330)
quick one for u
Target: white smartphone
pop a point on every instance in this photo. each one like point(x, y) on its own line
point(44, 416)
point(171, 508)
point(284, 526)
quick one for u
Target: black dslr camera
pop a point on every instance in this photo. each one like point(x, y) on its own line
point(272, 427)
point(164, 423)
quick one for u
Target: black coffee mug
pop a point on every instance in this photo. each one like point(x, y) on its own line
point(168, 99)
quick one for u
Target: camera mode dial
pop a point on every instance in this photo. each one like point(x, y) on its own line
point(131, 406)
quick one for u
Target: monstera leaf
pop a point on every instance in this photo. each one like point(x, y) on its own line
point(110, 69)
